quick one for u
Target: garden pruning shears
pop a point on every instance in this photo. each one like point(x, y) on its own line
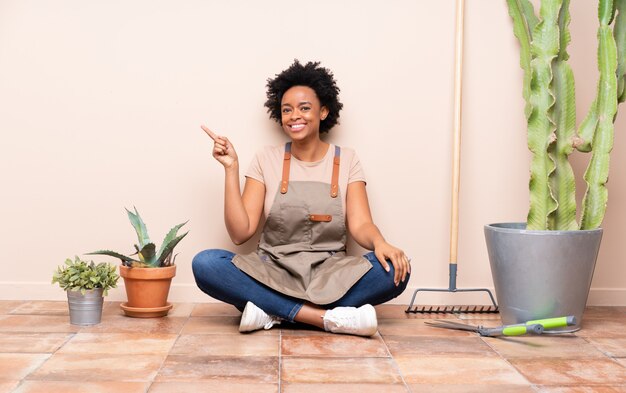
point(531, 327)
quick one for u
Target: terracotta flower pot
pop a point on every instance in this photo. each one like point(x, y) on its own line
point(147, 290)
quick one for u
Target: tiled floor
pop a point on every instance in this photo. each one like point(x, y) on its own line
point(197, 348)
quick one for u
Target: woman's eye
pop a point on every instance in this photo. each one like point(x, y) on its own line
point(305, 108)
point(286, 110)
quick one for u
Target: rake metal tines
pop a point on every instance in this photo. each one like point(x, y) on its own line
point(457, 309)
point(453, 309)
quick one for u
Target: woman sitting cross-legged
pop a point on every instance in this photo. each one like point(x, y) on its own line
point(311, 194)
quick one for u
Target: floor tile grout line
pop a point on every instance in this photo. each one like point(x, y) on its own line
point(604, 355)
point(312, 357)
point(280, 360)
point(152, 380)
point(35, 370)
point(614, 358)
point(506, 360)
point(537, 386)
point(281, 355)
point(395, 364)
point(187, 318)
point(71, 335)
point(178, 334)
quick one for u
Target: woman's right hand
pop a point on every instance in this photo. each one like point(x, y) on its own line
point(223, 150)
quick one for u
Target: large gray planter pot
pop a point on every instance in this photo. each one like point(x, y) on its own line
point(541, 274)
point(85, 309)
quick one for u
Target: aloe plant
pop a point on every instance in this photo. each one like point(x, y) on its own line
point(548, 88)
point(146, 253)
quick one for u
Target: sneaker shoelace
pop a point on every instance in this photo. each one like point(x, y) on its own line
point(273, 321)
point(344, 321)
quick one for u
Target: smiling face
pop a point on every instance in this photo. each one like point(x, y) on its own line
point(301, 113)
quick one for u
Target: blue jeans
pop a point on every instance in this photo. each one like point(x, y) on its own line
point(218, 277)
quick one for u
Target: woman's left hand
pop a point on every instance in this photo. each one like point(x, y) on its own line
point(401, 263)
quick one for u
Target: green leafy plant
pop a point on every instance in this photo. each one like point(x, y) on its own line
point(79, 275)
point(147, 256)
point(548, 89)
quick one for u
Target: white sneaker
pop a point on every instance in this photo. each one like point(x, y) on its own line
point(351, 320)
point(253, 318)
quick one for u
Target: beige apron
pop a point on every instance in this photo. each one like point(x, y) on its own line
point(302, 250)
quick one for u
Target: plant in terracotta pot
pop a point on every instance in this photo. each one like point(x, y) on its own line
point(147, 273)
point(543, 268)
point(86, 285)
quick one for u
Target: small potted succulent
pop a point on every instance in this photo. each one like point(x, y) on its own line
point(86, 284)
point(147, 273)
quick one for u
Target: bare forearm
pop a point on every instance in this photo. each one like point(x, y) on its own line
point(235, 215)
point(367, 235)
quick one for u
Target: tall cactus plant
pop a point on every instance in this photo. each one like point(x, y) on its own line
point(548, 89)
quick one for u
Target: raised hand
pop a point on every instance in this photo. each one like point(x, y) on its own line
point(223, 150)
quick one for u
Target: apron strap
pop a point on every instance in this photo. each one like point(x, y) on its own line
point(334, 183)
point(284, 183)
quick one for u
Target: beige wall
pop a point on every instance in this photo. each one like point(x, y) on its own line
point(101, 102)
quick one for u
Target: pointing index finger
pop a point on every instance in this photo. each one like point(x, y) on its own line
point(210, 133)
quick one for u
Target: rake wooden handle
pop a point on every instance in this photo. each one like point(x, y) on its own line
point(456, 156)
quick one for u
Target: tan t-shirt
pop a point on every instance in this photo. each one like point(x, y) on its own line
point(267, 167)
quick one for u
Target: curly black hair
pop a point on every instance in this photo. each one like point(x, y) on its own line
point(318, 78)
